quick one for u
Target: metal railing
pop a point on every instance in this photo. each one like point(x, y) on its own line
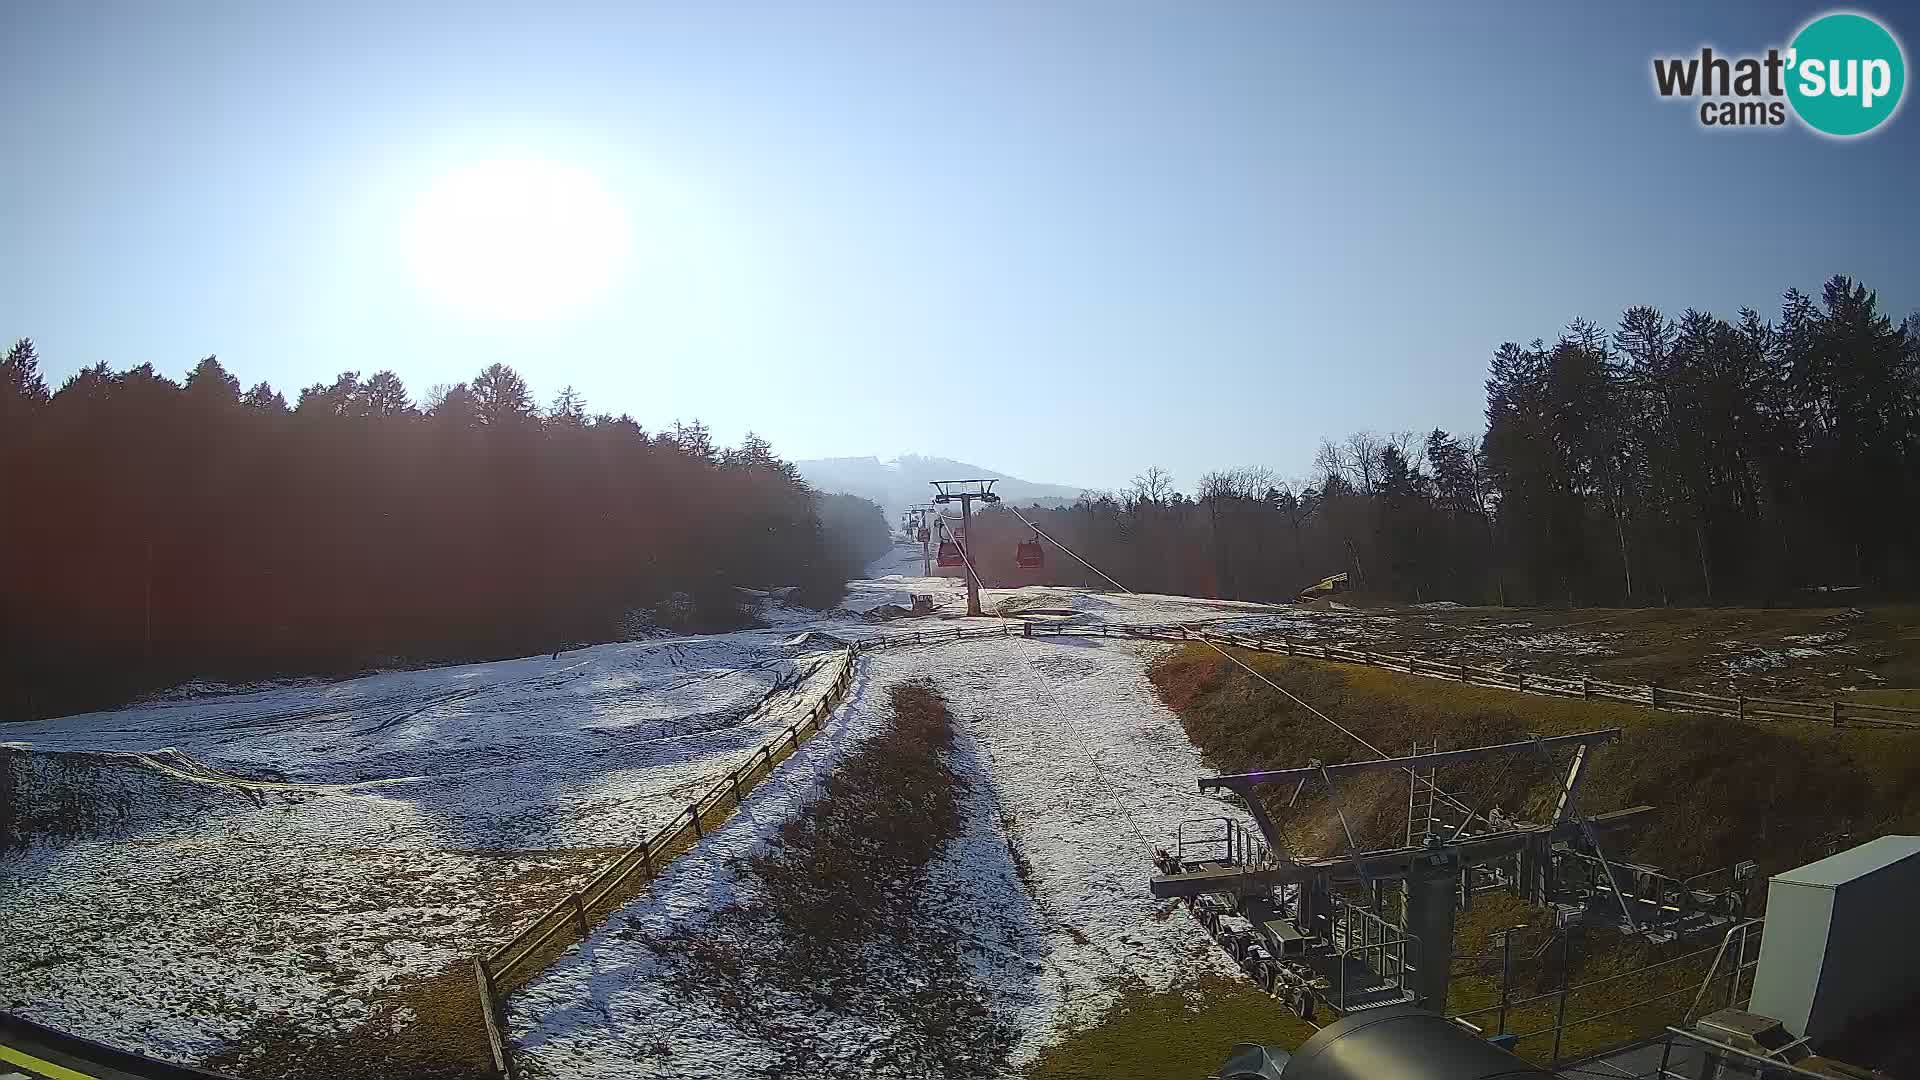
point(1721, 983)
point(1686, 1055)
point(1360, 935)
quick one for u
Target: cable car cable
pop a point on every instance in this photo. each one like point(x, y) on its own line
point(1248, 668)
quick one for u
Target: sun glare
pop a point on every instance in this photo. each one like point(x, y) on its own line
point(519, 239)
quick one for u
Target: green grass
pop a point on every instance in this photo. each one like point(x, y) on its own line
point(1724, 790)
point(1171, 1035)
point(1597, 955)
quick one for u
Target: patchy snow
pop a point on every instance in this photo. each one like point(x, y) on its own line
point(290, 853)
point(1748, 660)
point(286, 852)
point(1064, 738)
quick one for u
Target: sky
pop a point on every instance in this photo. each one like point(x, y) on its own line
point(1062, 240)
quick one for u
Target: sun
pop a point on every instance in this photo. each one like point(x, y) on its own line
point(517, 239)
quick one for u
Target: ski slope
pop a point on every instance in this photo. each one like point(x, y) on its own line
point(292, 853)
point(289, 855)
point(1064, 738)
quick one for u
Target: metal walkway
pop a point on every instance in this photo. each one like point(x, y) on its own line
point(35, 1052)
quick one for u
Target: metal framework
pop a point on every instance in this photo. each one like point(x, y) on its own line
point(923, 530)
point(1411, 960)
point(966, 491)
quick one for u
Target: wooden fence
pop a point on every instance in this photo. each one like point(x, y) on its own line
point(1743, 707)
point(554, 930)
point(546, 937)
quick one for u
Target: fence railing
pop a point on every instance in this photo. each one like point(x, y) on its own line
point(1711, 975)
point(1743, 707)
point(573, 916)
point(544, 938)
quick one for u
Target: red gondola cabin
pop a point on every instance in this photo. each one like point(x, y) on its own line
point(1029, 555)
point(950, 554)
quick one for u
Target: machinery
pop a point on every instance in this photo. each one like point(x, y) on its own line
point(1307, 928)
point(1398, 1042)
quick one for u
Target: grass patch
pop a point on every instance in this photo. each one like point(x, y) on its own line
point(1173, 1033)
point(837, 919)
point(429, 1027)
point(1780, 793)
point(429, 1030)
point(1596, 954)
point(1684, 648)
point(58, 796)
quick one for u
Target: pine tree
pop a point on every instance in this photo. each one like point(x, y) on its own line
point(209, 385)
point(501, 397)
point(265, 398)
point(21, 385)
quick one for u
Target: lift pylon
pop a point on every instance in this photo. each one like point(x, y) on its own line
point(966, 491)
point(1412, 962)
point(923, 532)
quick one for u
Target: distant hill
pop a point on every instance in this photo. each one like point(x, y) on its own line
point(905, 480)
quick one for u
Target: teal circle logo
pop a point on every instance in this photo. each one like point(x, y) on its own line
point(1846, 73)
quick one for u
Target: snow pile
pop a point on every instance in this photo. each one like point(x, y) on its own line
point(1749, 661)
point(1808, 646)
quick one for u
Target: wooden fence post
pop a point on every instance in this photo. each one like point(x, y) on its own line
point(646, 857)
point(1463, 671)
point(1586, 686)
point(496, 1042)
point(1520, 681)
point(1740, 706)
point(699, 830)
point(1653, 695)
point(1836, 713)
point(579, 915)
point(733, 781)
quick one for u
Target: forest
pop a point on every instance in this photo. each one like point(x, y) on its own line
point(1669, 461)
point(156, 531)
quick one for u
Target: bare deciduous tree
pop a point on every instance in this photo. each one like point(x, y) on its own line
point(1155, 485)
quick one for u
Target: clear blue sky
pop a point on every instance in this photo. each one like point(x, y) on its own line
point(1064, 240)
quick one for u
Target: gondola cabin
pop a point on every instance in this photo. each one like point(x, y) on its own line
point(1029, 555)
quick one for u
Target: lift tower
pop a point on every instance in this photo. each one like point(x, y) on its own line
point(924, 533)
point(966, 491)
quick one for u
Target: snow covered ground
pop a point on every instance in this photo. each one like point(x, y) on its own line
point(1064, 738)
point(290, 854)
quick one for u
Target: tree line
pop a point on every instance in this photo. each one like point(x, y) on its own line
point(155, 531)
point(1688, 460)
